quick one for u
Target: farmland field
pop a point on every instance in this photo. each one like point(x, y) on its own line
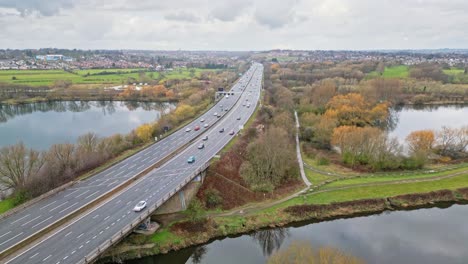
point(401, 71)
point(454, 71)
point(90, 76)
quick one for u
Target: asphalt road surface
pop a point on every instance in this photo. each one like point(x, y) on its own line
point(25, 223)
point(73, 243)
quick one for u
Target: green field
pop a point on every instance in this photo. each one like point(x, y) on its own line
point(454, 71)
point(401, 71)
point(90, 76)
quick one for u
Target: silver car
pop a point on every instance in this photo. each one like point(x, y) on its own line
point(140, 206)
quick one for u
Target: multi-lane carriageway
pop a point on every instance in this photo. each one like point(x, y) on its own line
point(77, 240)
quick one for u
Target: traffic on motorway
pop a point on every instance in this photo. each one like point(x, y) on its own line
point(74, 242)
point(23, 224)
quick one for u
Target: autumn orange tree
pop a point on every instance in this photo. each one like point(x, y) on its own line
point(353, 110)
point(275, 67)
point(421, 141)
point(144, 132)
point(367, 146)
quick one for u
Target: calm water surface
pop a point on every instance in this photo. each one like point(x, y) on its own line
point(41, 125)
point(426, 236)
point(411, 118)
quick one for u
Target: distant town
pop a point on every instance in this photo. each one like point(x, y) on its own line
point(160, 60)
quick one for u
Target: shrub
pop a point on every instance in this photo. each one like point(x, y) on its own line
point(21, 197)
point(322, 160)
point(213, 198)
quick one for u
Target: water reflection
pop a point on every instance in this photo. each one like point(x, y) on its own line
point(429, 236)
point(40, 125)
point(412, 118)
point(270, 240)
point(8, 112)
point(198, 253)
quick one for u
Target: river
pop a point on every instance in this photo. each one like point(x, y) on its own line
point(423, 236)
point(40, 125)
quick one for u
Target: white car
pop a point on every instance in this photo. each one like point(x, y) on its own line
point(140, 206)
point(202, 120)
point(188, 129)
point(205, 125)
point(215, 114)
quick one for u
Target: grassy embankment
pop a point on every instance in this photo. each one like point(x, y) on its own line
point(381, 188)
point(6, 205)
point(88, 77)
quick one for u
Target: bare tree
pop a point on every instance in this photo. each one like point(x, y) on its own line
point(18, 165)
point(270, 160)
point(88, 142)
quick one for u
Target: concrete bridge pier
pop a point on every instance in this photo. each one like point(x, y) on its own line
point(180, 201)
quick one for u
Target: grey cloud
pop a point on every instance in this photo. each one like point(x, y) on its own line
point(45, 8)
point(183, 17)
point(229, 10)
point(275, 14)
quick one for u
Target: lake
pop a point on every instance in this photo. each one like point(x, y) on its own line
point(412, 118)
point(426, 236)
point(40, 125)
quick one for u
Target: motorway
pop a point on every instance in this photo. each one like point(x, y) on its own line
point(32, 219)
point(74, 242)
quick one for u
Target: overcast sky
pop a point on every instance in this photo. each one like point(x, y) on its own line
point(234, 24)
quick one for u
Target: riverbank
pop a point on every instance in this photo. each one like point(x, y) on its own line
point(184, 234)
point(22, 101)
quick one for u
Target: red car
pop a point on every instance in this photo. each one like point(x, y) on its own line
point(197, 128)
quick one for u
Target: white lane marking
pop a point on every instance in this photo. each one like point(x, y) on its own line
point(94, 217)
point(58, 206)
point(112, 183)
point(128, 211)
point(94, 237)
point(11, 238)
point(118, 201)
point(82, 194)
point(5, 234)
point(118, 174)
point(106, 217)
point(42, 221)
point(91, 194)
point(80, 247)
point(20, 219)
point(47, 205)
point(131, 167)
point(68, 207)
point(31, 220)
point(80, 235)
point(87, 242)
point(65, 257)
point(71, 193)
point(34, 255)
point(47, 258)
point(73, 252)
point(68, 233)
point(137, 158)
point(101, 232)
